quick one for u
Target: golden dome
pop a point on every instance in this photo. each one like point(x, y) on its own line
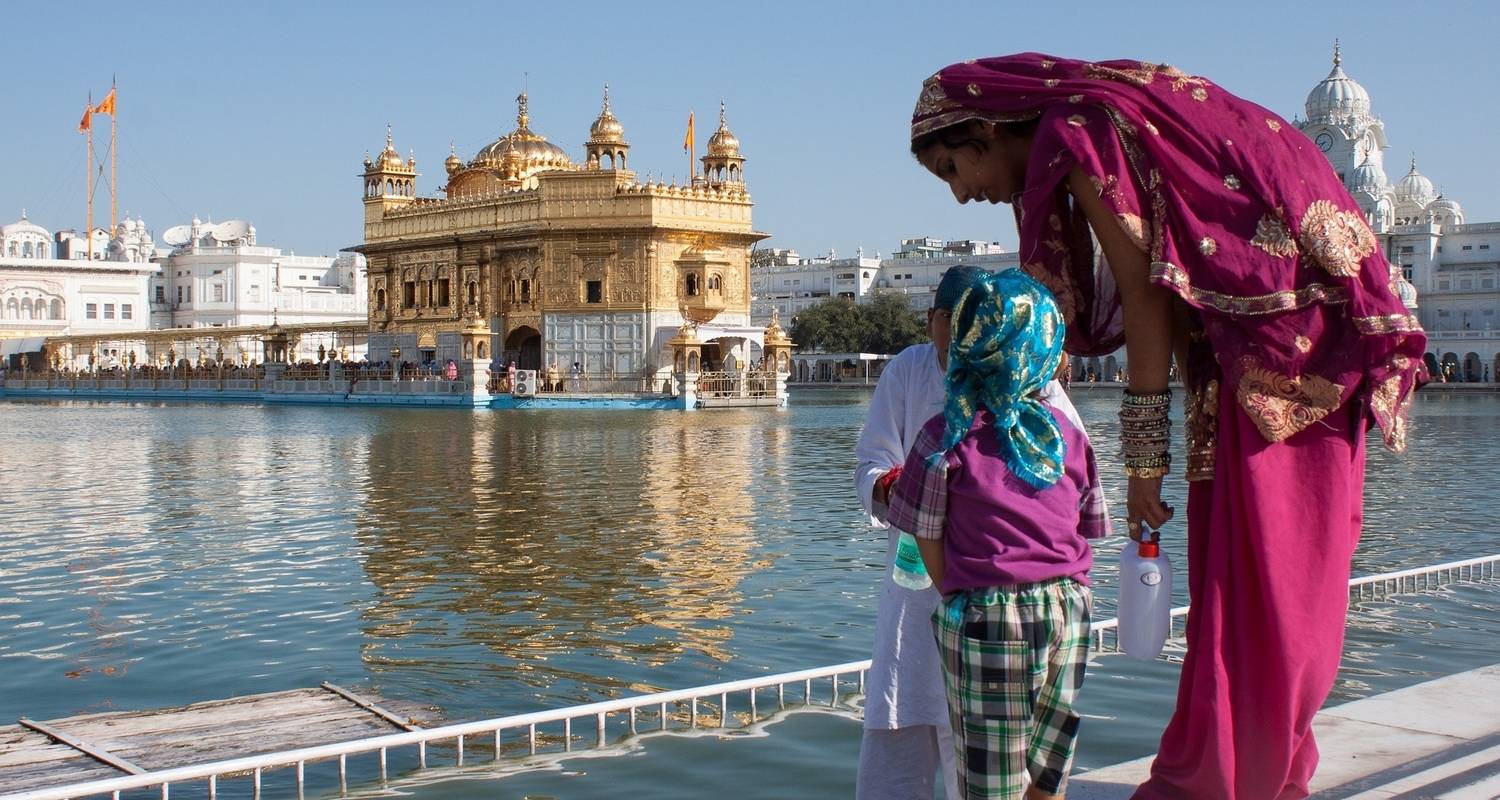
point(607, 128)
point(453, 163)
point(723, 143)
point(389, 159)
point(532, 150)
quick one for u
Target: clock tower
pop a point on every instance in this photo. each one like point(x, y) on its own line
point(1341, 126)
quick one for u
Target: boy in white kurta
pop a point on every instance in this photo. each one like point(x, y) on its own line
point(906, 730)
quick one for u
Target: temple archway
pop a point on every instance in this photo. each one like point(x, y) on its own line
point(525, 343)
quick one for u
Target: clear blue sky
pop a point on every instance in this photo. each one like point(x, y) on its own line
point(265, 112)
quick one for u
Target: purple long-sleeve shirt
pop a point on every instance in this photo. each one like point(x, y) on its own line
point(997, 530)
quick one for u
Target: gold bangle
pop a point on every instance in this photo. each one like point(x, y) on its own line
point(1147, 472)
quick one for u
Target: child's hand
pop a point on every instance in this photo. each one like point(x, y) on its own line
point(1143, 504)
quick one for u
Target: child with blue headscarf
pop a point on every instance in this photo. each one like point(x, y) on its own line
point(1002, 493)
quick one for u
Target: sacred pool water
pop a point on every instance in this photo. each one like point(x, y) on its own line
point(490, 563)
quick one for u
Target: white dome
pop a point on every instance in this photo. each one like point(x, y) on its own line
point(24, 225)
point(1407, 292)
point(1368, 178)
point(1447, 212)
point(1415, 188)
point(1338, 96)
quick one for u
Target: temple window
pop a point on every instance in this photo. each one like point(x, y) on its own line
point(692, 286)
point(409, 294)
point(595, 292)
point(443, 298)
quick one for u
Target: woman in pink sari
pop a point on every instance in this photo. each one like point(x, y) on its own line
point(1231, 243)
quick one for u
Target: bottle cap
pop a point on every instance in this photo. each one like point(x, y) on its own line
point(1150, 548)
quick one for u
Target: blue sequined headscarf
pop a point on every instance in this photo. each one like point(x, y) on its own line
point(1006, 345)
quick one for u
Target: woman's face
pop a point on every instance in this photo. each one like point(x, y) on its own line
point(987, 169)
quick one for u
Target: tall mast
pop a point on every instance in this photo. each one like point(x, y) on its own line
point(88, 229)
point(114, 160)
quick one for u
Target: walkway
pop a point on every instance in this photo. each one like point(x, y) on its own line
point(1438, 740)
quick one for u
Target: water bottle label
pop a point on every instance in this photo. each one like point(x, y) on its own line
point(1151, 578)
point(908, 557)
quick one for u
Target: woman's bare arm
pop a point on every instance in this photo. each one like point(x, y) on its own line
point(1148, 330)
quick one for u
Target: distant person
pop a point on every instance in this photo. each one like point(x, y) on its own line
point(906, 727)
point(575, 378)
point(552, 376)
point(450, 371)
point(1003, 496)
point(1231, 242)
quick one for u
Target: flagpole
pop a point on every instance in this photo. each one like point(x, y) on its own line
point(88, 228)
point(692, 151)
point(114, 160)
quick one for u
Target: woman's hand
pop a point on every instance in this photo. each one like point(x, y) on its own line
point(1143, 504)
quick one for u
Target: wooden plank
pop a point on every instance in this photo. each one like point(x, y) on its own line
point(29, 760)
point(82, 746)
point(369, 706)
point(283, 736)
point(82, 770)
point(161, 731)
point(202, 716)
point(226, 749)
point(191, 734)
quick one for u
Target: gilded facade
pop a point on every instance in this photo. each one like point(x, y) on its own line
point(562, 261)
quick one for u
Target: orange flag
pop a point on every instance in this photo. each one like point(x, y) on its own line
point(107, 105)
point(85, 123)
point(687, 141)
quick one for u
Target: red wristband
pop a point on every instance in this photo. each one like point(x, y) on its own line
point(886, 481)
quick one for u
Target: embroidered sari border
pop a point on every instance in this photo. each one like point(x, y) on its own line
point(1252, 305)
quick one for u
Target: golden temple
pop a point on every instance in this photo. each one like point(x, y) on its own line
point(560, 262)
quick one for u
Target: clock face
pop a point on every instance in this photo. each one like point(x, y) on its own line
point(1324, 141)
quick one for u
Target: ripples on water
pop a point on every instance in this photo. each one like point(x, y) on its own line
point(491, 563)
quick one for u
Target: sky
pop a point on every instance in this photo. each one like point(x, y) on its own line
point(265, 111)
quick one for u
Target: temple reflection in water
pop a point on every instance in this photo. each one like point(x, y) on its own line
point(571, 544)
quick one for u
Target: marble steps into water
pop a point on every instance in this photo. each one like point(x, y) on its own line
point(1438, 740)
point(104, 745)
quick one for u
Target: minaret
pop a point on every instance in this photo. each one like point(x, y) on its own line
point(724, 166)
point(389, 181)
point(606, 146)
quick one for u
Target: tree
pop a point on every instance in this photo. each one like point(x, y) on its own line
point(888, 324)
point(838, 325)
point(832, 326)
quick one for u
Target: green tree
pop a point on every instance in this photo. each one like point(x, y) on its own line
point(888, 324)
point(832, 326)
point(838, 325)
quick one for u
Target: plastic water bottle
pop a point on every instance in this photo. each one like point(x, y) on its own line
point(909, 570)
point(1145, 598)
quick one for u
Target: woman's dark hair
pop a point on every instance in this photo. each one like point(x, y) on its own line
point(967, 134)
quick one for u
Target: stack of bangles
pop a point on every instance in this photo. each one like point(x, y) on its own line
point(1145, 433)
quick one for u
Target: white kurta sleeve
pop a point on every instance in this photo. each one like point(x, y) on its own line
point(879, 446)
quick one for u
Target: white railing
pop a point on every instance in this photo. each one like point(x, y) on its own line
point(685, 706)
point(715, 385)
point(656, 711)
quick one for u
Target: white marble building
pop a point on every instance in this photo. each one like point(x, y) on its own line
point(1450, 264)
point(788, 283)
point(217, 276)
point(49, 286)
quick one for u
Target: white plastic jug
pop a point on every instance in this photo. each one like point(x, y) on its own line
point(1145, 598)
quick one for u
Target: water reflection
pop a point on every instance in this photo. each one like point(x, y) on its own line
point(494, 563)
point(524, 545)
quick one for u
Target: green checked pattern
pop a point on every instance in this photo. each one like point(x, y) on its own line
point(1013, 661)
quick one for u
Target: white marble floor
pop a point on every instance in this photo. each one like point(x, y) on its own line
point(1438, 740)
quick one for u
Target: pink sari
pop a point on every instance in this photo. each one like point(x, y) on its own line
point(1302, 338)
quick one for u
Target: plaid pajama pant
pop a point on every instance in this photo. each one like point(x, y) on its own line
point(1013, 661)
